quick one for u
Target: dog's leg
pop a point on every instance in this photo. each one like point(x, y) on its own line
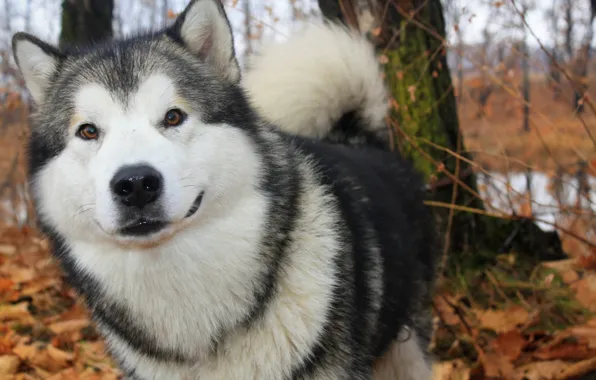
point(406, 359)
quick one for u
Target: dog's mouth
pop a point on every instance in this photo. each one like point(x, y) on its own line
point(144, 227)
point(195, 205)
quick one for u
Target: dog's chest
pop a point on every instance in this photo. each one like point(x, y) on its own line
point(179, 299)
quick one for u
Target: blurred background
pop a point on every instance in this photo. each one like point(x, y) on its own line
point(492, 100)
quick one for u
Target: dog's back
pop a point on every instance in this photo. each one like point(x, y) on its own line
point(324, 89)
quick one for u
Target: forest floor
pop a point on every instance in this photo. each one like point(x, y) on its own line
point(511, 319)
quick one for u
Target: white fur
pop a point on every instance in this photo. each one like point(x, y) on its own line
point(205, 31)
point(194, 281)
point(36, 67)
point(308, 82)
point(404, 360)
point(291, 325)
point(192, 158)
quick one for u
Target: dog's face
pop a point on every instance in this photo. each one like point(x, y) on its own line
point(132, 140)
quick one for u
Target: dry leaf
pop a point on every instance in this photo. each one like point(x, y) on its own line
point(14, 312)
point(447, 314)
point(566, 351)
point(44, 355)
point(38, 285)
point(172, 14)
point(585, 333)
point(585, 290)
point(549, 370)
point(579, 369)
point(510, 344)
point(69, 326)
point(451, 370)
point(9, 365)
point(7, 250)
point(6, 284)
point(567, 269)
point(502, 321)
point(495, 365)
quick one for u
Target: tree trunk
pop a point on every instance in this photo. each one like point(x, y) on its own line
point(86, 21)
point(425, 114)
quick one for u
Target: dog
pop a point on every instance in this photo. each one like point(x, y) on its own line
point(228, 226)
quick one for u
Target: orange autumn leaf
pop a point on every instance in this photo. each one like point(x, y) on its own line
point(44, 356)
point(172, 14)
point(5, 284)
point(502, 321)
point(510, 344)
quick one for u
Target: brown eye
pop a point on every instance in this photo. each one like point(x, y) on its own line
point(174, 118)
point(88, 132)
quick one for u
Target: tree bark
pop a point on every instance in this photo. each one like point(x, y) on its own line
point(425, 112)
point(86, 21)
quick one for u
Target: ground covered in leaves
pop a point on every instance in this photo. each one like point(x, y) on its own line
point(519, 320)
point(45, 333)
point(508, 320)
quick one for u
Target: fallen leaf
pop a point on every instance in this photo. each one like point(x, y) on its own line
point(69, 326)
point(446, 312)
point(510, 344)
point(586, 333)
point(451, 370)
point(6, 284)
point(44, 355)
point(66, 374)
point(585, 291)
point(21, 275)
point(495, 365)
point(9, 364)
point(579, 369)
point(566, 351)
point(7, 250)
point(502, 321)
point(39, 285)
point(548, 370)
point(12, 312)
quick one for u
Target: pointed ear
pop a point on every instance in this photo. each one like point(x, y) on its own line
point(204, 29)
point(37, 61)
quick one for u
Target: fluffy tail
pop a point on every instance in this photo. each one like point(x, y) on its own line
point(324, 82)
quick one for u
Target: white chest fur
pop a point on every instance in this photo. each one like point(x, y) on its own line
point(199, 284)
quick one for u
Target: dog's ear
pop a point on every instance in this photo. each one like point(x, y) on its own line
point(37, 62)
point(204, 29)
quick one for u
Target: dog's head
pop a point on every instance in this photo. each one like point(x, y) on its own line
point(133, 138)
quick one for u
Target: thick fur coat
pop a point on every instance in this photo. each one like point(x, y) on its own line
point(221, 227)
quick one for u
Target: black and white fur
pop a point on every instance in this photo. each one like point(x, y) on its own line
point(283, 240)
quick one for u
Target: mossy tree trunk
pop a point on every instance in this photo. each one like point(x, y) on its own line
point(86, 21)
point(425, 114)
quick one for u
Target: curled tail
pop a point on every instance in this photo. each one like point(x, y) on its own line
point(324, 82)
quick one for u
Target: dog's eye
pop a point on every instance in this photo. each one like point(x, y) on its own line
point(88, 132)
point(174, 118)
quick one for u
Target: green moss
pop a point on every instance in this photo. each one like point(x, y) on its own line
point(411, 82)
point(513, 279)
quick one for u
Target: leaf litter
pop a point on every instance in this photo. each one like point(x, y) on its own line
point(516, 320)
point(45, 332)
point(500, 325)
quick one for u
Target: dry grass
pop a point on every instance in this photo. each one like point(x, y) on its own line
point(557, 139)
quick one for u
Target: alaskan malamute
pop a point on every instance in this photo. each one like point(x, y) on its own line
point(221, 228)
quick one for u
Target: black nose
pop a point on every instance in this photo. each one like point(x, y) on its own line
point(137, 186)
